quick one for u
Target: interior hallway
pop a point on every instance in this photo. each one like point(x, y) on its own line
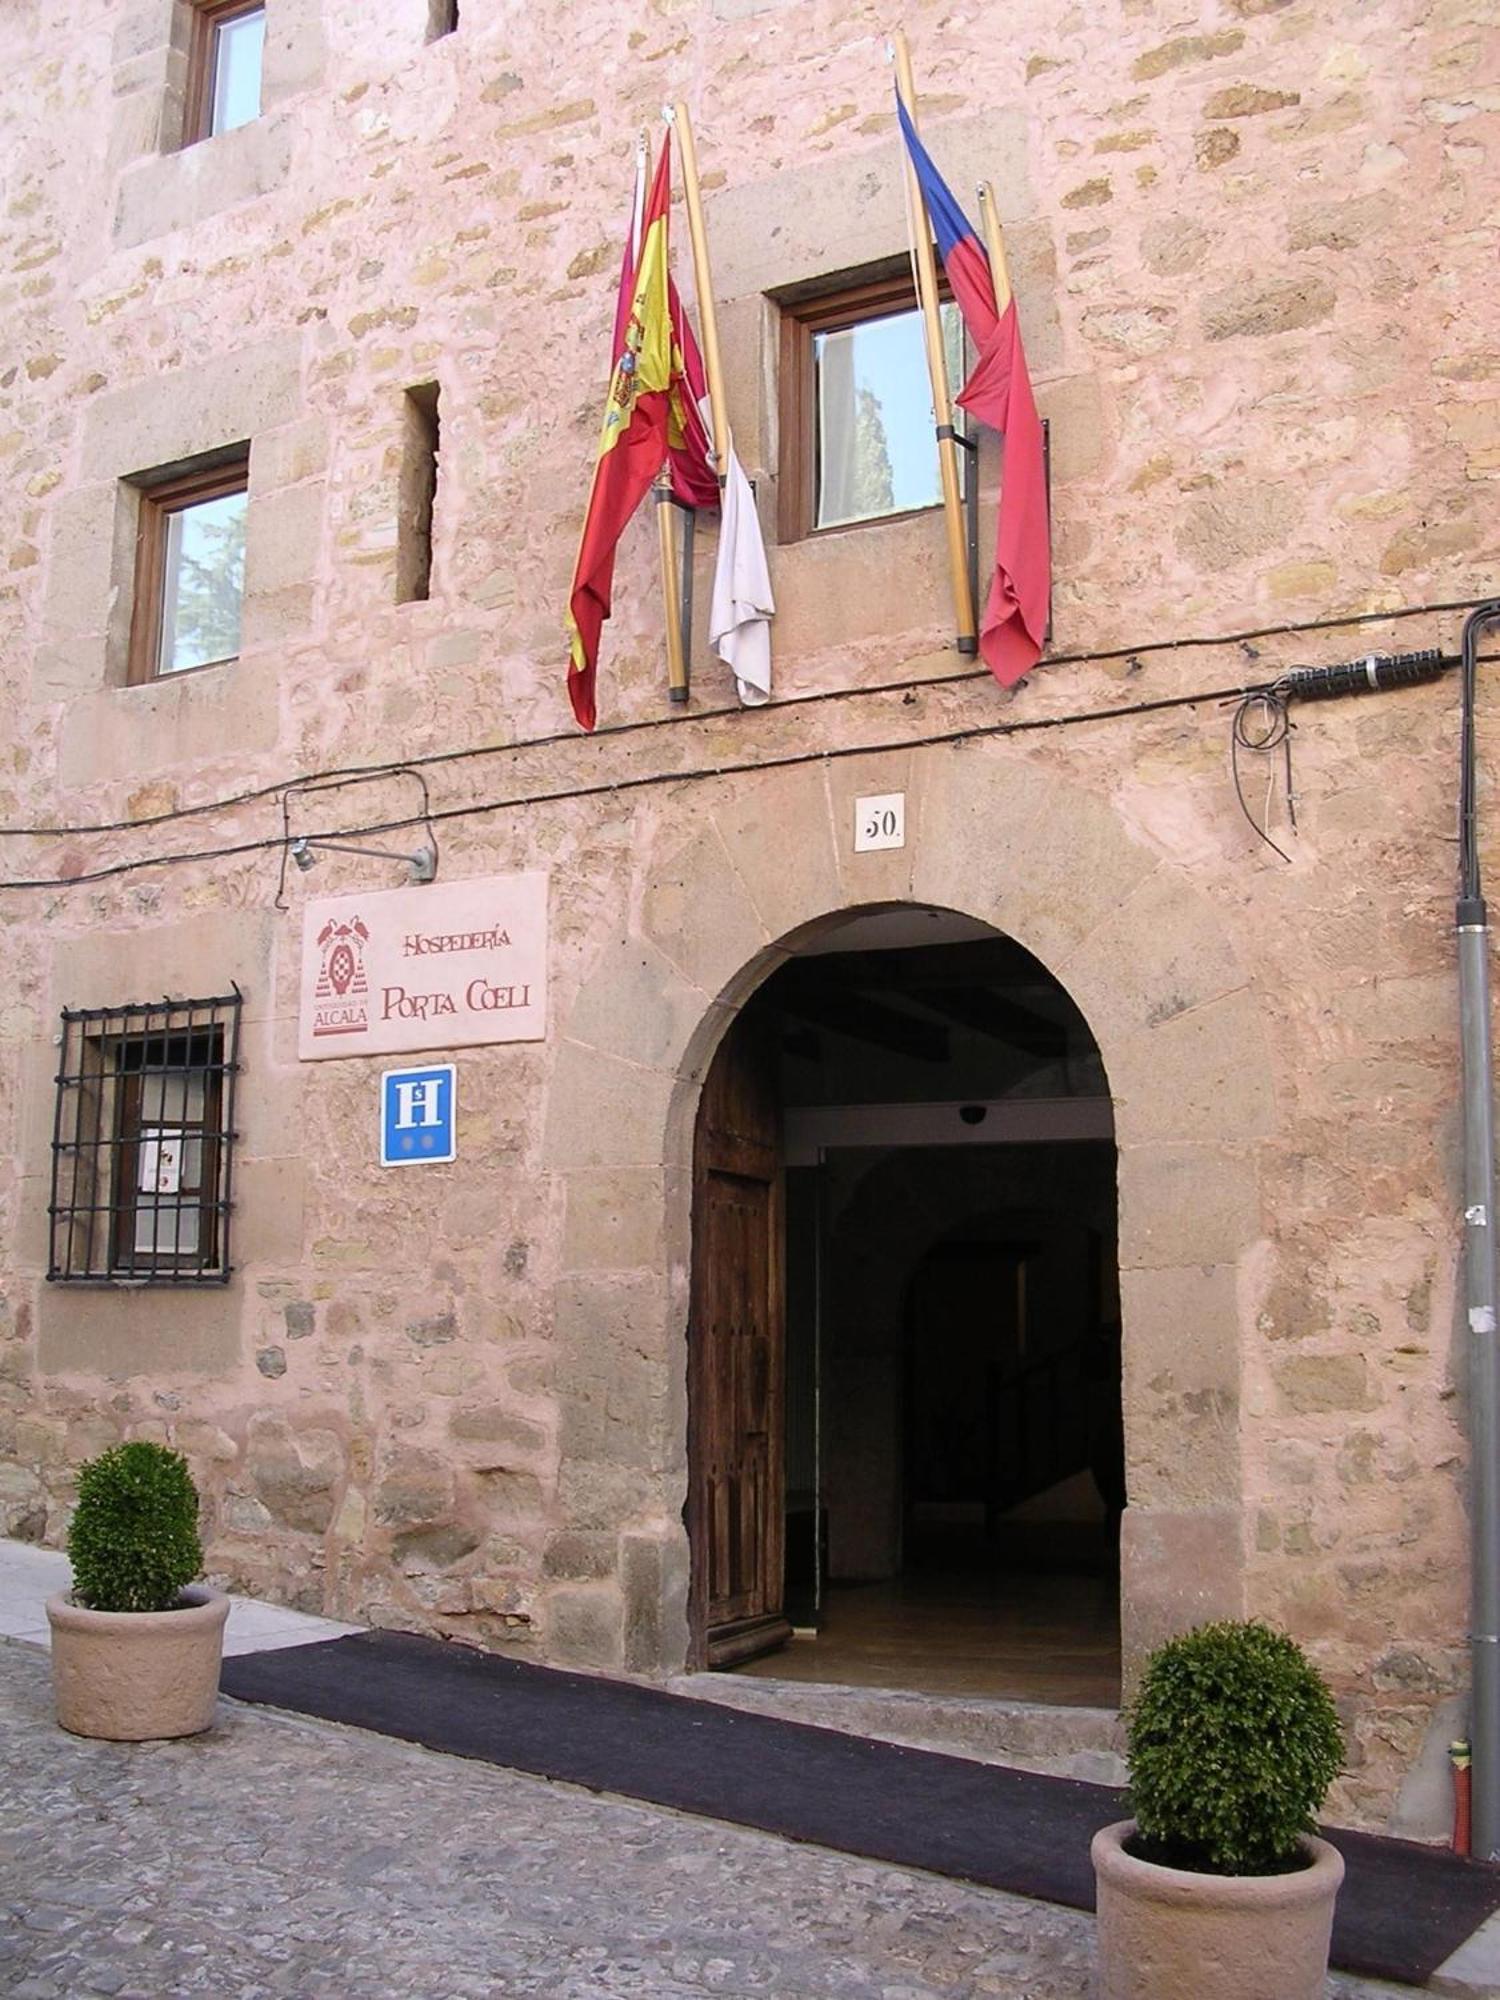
point(1025, 1636)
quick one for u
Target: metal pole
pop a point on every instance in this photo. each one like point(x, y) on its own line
point(970, 447)
point(1484, 1375)
point(689, 532)
point(1480, 1279)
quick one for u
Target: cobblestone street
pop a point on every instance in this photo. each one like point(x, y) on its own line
point(282, 1857)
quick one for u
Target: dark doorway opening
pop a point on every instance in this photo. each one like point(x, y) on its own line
point(950, 1470)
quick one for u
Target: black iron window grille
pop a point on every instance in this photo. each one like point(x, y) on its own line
point(143, 1143)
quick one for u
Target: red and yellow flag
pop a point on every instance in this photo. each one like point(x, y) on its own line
point(632, 443)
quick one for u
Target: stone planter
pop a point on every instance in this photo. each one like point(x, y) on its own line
point(131, 1676)
point(1170, 1934)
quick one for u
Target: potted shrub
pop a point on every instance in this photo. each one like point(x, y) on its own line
point(1220, 1884)
point(135, 1653)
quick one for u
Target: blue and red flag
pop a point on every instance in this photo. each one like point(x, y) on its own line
point(998, 393)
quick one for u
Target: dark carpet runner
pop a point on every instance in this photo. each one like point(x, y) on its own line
point(1403, 1908)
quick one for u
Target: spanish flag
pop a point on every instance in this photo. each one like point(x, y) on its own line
point(633, 441)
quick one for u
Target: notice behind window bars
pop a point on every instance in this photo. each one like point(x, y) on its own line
point(143, 1143)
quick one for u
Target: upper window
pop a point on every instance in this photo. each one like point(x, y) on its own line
point(189, 571)
point(858, 440)
point(229, 38)
point(144, 1128)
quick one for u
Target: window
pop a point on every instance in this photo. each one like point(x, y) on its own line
point(417, 492)
point(189, 570)
point(857, 430)
point(142, 1143)
point(224, 66)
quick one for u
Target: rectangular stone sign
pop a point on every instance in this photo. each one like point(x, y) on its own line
point(442, 966)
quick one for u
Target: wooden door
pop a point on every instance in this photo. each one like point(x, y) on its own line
point(736, 1358)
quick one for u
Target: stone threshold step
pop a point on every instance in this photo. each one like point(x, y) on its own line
point(1062, 1742)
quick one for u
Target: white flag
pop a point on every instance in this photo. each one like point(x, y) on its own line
point(739, 620)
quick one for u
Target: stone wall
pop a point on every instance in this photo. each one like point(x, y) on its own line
point(1254, 251)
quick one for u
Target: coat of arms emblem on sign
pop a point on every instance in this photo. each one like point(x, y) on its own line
point(341, 979)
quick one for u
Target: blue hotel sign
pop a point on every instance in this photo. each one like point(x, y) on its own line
point(417, 1116)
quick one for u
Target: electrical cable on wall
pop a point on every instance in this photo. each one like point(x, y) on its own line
point(1373, 674)
point(1262, 722)
point(908, 686)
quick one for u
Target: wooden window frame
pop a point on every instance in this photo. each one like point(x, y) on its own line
point(801, 321)
point(159, 501)
point(208, 17)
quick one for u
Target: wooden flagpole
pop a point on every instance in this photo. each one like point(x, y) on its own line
point(937, 369)
point(708, 317)
point(671, 586)
point(994, 244)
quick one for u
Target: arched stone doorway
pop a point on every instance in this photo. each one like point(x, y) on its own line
point(904, 1411)
point(734, 877)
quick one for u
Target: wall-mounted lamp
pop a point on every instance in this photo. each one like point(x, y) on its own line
point(423, 864)
point(304, 848)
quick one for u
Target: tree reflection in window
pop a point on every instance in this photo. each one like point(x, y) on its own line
point(876, 449)
point(203, 584)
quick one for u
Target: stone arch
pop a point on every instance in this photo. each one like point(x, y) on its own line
point(736, 875)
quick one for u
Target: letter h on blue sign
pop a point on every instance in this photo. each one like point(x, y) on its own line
point(416, 1116)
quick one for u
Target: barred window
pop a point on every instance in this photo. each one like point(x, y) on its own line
point(143, 1143)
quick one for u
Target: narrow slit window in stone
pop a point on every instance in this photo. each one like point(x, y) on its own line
point(417, 494)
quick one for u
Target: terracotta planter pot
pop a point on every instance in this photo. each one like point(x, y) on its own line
point(1168, 1934)
point(131, 1676)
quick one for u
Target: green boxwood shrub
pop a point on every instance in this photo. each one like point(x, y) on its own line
point(1232, 1742)
point(134, 1541)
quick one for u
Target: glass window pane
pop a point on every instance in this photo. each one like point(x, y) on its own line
point(877, 453)
point(238, 47)
point(159, 1155)
point(204, 582)
point(166, 1229)
point(172, 1096)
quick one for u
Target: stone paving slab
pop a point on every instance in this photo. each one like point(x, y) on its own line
point(30, 1575)
point(276, 1857)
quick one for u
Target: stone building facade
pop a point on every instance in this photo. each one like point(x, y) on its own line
point(1253, 243)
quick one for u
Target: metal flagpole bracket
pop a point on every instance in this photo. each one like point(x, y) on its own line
point(968, 443)
point(689, 532)
point(679, 690)
point(1047, 489)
